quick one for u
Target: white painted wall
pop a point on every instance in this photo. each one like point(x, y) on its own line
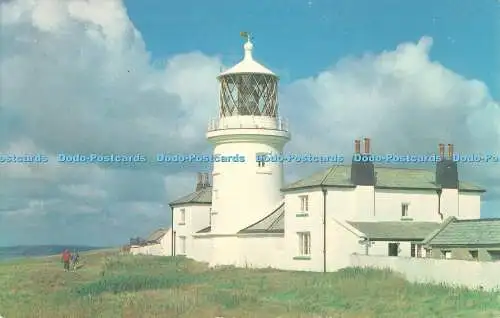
point(202, 248)
point(358, 204)
point(469, 205)
point(449, 203)
point(340, 203)
point(225, 250)
point(261, 251)
point(427, 270)
point(342, 240)
point(135, 250)
point(311, 223)
point(243, 191)
point(164, 248)
point(422, 205)
point(197, 218)
point(364, 205)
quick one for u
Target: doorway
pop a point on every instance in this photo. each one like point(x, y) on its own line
point(393, 249)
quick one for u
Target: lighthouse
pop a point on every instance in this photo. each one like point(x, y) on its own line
point(248, 124)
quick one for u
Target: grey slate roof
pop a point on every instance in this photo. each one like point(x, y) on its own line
point(387, 177)
point(156, 236)
point(273, 223)
point(396, 231)
point(202, 196)
point(456, 232)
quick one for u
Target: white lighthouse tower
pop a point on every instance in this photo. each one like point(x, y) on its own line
point(248, 125)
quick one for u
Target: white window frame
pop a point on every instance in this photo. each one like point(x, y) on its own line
point(405, 207)
point(182, 245)
point(304, 203)
point(183, 216)
point(304, 240)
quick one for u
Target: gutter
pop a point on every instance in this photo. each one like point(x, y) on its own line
point(172, 241)
point(323, 189)
point(439, 191)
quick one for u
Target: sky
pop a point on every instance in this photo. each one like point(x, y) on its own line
point(139, 77)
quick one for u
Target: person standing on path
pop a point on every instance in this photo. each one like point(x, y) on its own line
point(74, 260)
point(66, 258)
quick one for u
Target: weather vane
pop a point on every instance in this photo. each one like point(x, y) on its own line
point(246, 35)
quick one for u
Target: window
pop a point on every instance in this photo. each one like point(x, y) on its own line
point(182, 242)
point(393, 249)
point(419, 251)
point(404, 210)
point(261, 157)
point(494, 255)
point(210, 217)
point(183, 217)
point(428, 252)
point(413, 250)
point(474, 254)
point(304, 203)
point(304, 243)
point(446, 254)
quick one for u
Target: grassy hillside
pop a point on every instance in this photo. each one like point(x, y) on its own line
point(110, 285)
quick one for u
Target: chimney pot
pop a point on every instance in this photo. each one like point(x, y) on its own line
point(357, 146)
point(367, 145)
point(441, 151)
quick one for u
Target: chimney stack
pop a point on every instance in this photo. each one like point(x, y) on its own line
point(441, 151)
point(199, 181)
point(367, 146)
point(362, 170)
point(206, 181)
point(446, 169)
point(357, 146)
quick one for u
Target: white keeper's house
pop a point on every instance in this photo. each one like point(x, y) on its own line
point(242, 214)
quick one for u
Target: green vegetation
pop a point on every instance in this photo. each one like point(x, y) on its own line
point(112, 285)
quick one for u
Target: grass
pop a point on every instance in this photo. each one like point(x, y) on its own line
point(113, 285)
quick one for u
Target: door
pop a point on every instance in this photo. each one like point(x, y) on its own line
point(393, 249)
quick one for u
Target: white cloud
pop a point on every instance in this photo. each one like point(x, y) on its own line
point(75, 77)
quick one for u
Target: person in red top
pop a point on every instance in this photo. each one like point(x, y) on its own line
point(66, 257)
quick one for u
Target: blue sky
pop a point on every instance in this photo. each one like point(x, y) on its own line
point(93, 76)
point(303, 37)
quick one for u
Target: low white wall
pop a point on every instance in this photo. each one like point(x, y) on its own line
point(427, 270)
